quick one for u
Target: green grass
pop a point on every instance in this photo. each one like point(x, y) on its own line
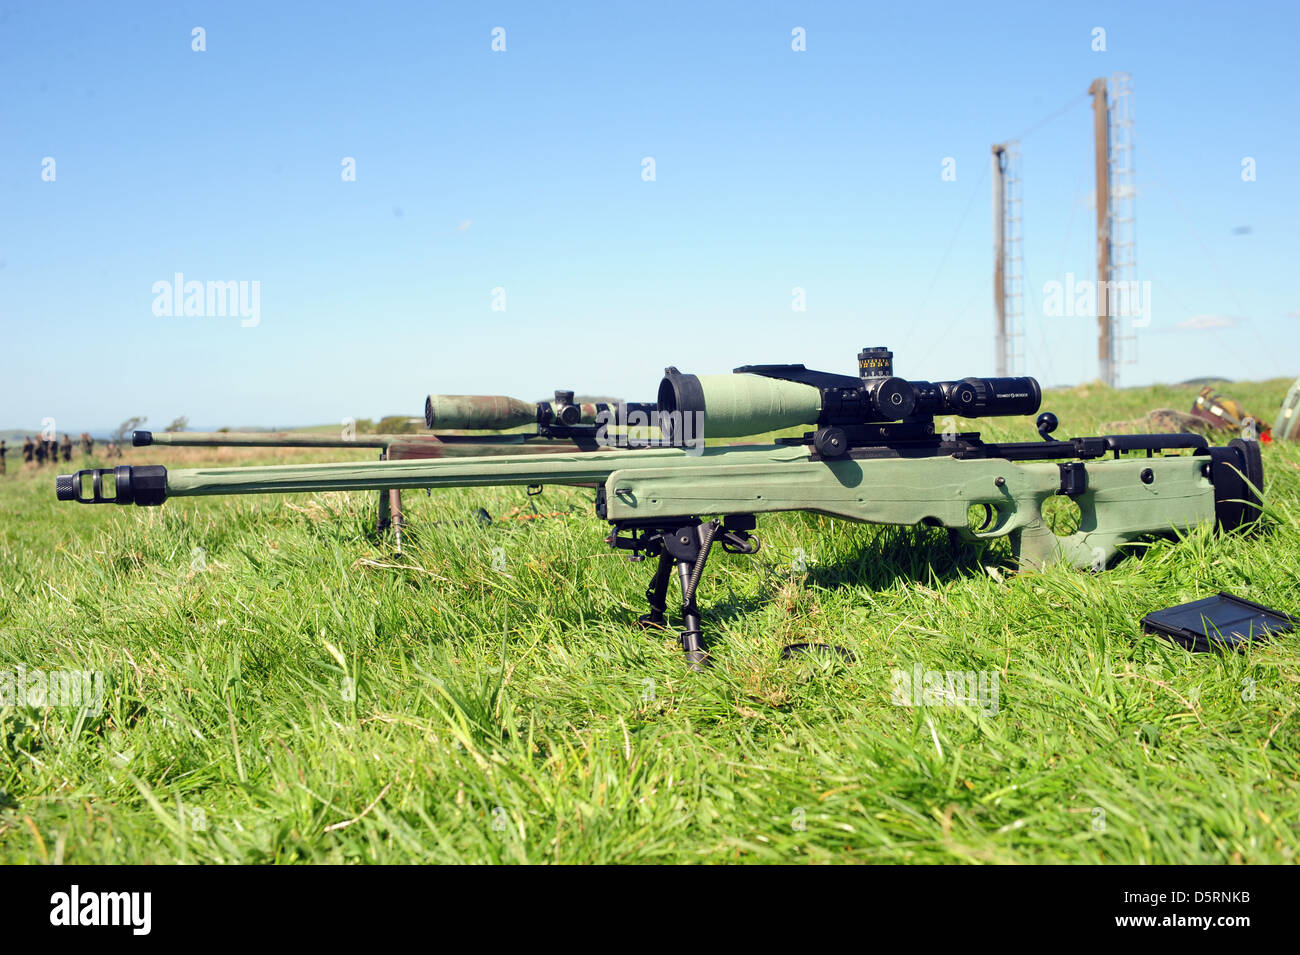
point(279, 689)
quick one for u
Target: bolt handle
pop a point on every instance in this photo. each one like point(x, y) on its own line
point(1047, 423)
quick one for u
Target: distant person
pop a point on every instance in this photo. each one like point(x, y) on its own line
point(87, 444)
point(42, 451)
point(67, 447)
point(28, 450)
point(3, 452)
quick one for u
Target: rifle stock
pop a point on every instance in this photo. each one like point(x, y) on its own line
point(1116, 509)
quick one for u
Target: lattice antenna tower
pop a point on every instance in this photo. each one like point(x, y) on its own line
point(1008, 259)
point(1123, 222)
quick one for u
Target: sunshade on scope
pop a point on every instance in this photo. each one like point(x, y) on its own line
point(755, 399)
point(499, 412)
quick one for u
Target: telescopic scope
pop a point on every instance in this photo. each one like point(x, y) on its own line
point(755, 399)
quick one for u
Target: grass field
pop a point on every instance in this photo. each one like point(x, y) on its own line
point(277, 688)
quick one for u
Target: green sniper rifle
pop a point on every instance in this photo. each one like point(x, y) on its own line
point(872, 456)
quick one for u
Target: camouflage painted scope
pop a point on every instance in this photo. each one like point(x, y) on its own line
point(499, 412)
point(755, 399)
point(476, 412)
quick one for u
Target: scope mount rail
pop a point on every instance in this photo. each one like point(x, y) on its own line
point(916, 437)
point(556, 421)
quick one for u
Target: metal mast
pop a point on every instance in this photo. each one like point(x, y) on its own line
point(1008, 259)
point(1101, 159)
point(1116, 200)
point(1123, 222)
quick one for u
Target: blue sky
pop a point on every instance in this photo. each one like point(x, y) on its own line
point(522, 170)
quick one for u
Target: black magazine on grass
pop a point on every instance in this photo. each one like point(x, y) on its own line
point(1222, 621)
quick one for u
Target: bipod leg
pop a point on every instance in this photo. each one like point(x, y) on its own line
point(685, 547)
point(657, 595)
point(691, 638)
point(390, 512)
point(385, 517)
point(395, 508)
point(689, 548)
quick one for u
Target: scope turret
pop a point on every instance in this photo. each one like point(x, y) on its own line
point(759, 398)
point(561, 411)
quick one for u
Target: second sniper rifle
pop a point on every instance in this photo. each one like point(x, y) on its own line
point(871, 455)
point(561, 425)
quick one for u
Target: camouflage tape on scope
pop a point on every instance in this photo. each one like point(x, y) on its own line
point(477, 412)
point(486, 412)
point(739, 405)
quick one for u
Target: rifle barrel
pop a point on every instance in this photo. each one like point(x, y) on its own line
point(266, 439)
point(398, 446)
point(152, 484)
point(583, 467)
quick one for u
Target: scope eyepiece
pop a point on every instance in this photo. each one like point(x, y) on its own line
point(992, 397)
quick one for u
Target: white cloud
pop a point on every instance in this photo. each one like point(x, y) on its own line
point(464, 226)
